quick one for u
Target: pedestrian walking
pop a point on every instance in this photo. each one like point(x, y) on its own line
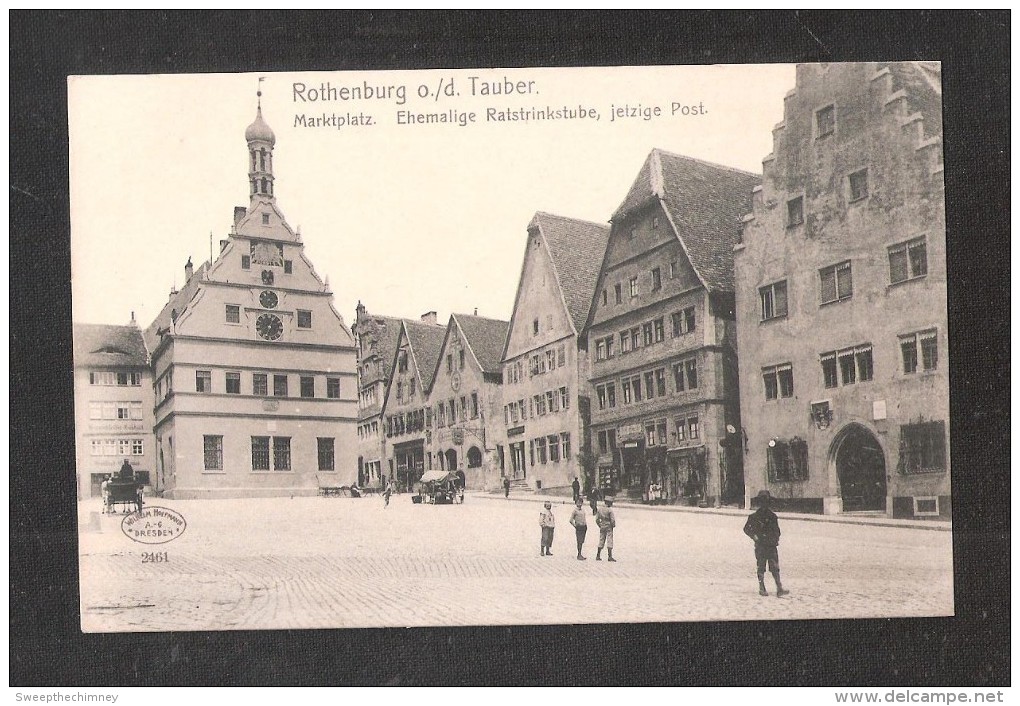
point(606, 521)
point(386, 495)
point(763, 527)
point(547, 521)
point(576, 485)
point(593, 500)
point(506, 487)
point(580, 523)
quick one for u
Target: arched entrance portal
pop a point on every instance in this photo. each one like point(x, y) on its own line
point(451, 459)
point(860, 468)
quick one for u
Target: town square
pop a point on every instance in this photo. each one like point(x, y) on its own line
point(299, 562)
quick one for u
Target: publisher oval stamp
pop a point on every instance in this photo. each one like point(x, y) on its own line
point(154, 525)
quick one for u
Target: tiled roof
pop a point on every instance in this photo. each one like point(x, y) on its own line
point(179, 301)
point(486, 338)
point(426, 343)
point(102, 345)
point(705, 203)
point(577, 248)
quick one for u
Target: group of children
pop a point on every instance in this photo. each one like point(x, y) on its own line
point(762, 527)
point(605, 519)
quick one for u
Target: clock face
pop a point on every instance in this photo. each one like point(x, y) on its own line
point(269, 327)
point(269, 299)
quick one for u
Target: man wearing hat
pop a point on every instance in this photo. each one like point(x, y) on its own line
point(763, 527)
point(606, 521)
point(547, 521)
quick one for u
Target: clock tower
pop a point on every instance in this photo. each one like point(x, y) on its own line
point(255, 371)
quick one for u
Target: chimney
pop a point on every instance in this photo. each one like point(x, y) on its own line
point(224, 244)
point(133, 321)
point(360, 310)
point(476, 311)
point(189, 270)
point(239, 212)
point(429, 317)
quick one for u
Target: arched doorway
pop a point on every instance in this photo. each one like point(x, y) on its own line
point(474, 457)
point(860, 468)
point(451, 459)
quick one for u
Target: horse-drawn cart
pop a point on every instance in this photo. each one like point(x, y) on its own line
point(125, 492)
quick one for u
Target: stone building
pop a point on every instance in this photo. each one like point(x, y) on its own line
point(376, 338)
point(113, 402)
point(467, 433)
point(255, 373)
point(546, 402)
point(841, 297)
point(405, 410)
point(661, 334)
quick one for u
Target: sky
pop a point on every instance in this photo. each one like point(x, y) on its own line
point(406, 218)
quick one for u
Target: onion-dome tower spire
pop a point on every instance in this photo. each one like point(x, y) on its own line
point(260, 140)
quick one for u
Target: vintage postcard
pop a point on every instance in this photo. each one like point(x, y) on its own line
point(407, 348)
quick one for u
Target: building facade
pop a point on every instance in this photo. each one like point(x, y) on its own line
point(376, 338)
point(546, 403)
point(466, 434)
point(254, 370)
point(841, 297)
point(661, 335)
point(406, 411)
point(113, 401)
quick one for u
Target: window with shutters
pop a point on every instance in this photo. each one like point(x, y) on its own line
point(836, 283)
point(778, 380)
point(924, 341)
point(908, 260)
point(773, 300)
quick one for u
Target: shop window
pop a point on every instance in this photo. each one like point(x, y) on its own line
point(787, 460)
point(922, 447)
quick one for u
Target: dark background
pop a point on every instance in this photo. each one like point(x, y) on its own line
point(47, 647)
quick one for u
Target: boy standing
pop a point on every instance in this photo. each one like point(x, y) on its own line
point(763, 527)
point(548, 524)
point(580, 522)
point(606, 521)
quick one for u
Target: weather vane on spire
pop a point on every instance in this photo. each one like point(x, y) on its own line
point(258, 93)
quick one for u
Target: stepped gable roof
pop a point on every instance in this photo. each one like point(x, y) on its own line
point(104, 345)
point(485, 337)
point(426, 341)
point(386, 338)
point(179, 301)
point(577, 248)
point(704, 202)
point(922, 81)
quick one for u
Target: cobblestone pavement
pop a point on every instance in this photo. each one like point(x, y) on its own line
point(341, 562)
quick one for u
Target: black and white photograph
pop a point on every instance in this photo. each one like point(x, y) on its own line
point(351, 352)
point(510, 349)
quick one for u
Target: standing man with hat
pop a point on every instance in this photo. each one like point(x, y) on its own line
point(547, 521)
point(606, 521)
point(763, 527)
